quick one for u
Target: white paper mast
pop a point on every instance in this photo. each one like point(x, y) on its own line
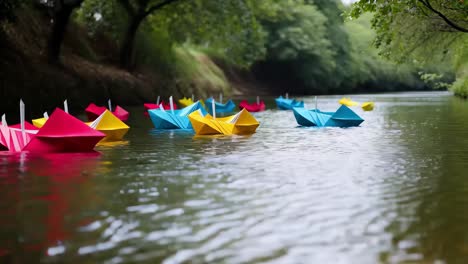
point(213, 108)
point(23, 132)
point(171, 102)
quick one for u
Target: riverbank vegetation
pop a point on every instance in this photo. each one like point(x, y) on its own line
point(426, 32)
point(131, 51)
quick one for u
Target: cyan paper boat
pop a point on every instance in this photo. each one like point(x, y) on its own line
point(343, 117)
point(228, 107)
point(166, 119)
point(288, 104)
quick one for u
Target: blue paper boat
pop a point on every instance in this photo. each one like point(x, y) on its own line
point(343, 117)
point(228, 107)
point(288, 104)
point(166, 119)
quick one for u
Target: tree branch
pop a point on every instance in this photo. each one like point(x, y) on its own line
point(427, 4)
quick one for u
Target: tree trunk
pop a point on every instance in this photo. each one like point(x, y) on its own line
point(128, 42)
point(59, 27)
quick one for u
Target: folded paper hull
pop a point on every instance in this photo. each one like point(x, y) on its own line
point(228, 107)
point(63, 144)
point(114, 134)
point(61, 133)
point(288, 104)
point(343, 117)
point(347, 101)
point(166, 120)
point(252, 107)
point(240, 124)
point(121, 113)
point(12, 139)
point(111, 126)
point(38, 123)
point(93, 111)
point(184, 102)
point(27, 126)
point(174, 120)
point(368, 106)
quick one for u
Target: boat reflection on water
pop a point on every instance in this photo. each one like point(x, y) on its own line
point(42, 205)
point(111, 144)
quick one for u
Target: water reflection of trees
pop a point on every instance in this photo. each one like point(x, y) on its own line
point(432, 194)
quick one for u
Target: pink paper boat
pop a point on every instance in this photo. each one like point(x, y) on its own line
point(64, 133)
point(13, 139)
point(121, 113)
point(27, 126)
point(93, 111)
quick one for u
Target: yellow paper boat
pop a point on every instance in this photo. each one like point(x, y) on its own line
point(366, 106)
point(110, 125)
point(347, 102)
point(186, 101)
point(243, 123)
point(39, 122)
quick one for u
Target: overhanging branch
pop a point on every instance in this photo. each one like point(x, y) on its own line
point(427, 4)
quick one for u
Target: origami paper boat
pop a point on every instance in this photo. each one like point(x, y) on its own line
point(61, 133)
point(367, 106)
point(27, 126)
point(288, 104)
point(228, 107)
point(178, 119)
point(111, 126)
point(243, 123)
point(254, 107)
point(38, 123)
point(343, 117)
point(14, 139)
point(93, 111)
point(347, 102)
point(186, 101)
point(151, 106)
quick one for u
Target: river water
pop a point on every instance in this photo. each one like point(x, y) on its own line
point(394, 190)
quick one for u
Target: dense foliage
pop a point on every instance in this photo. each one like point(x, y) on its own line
point(298, 46)
point(312, 50)
point(426, 32)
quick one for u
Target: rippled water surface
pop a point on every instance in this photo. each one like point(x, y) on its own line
point(394, 190)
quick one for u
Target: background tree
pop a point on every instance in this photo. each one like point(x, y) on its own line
point(424, 32)
point(60, 11)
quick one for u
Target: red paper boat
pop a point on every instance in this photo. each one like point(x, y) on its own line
point(150, 106)
point(64, 133)
point(255, 107)
point(93, 111)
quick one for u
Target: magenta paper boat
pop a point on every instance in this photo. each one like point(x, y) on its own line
point(61, 133)
point(27, 126)
point(93, 111)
